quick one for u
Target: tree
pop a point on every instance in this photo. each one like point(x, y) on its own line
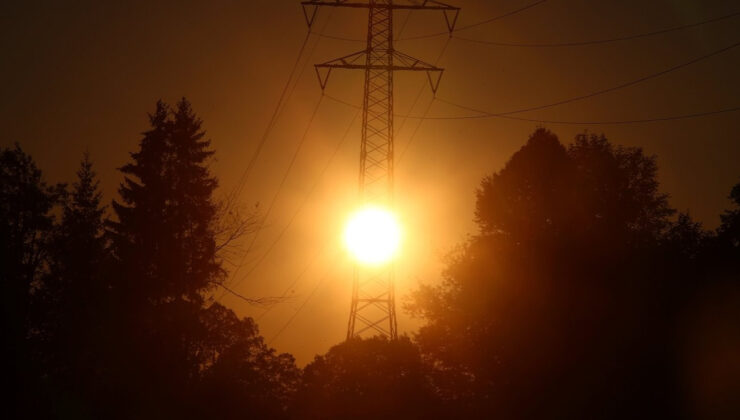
point(729, 231)
point(75, 294)
point(240, 375)
point(618, 195)
point(530, 197)
point(589, 191)
point(557, 308)
point(26, 202)
point(166, 222)
point(164, 244)
point(709, 332)
point(176, 355)
point(367, 379)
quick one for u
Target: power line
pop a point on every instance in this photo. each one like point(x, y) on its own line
point(607, 122)
point(486, 114)
point(303, 204)
point(600, 41)
point(271, 123)
point(473, 25)
point(624, 85)
point(292, 90)
point(416, 130)
point(426, 111)
point(418, 96)
point(279, 108)
point(323, 172)
point(281, 185)
point(311, 53)
point(404, 24)
point(300, 308)
point(265, 136)
point(265, 301)
point(328, 164)
point(292, 284)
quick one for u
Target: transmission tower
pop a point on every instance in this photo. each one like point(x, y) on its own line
point(373, 307)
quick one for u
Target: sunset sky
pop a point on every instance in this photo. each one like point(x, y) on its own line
point(81, 75)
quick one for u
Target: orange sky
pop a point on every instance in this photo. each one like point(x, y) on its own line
point(81, 75)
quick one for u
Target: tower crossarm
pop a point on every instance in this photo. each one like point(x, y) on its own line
point(399, 62)
point(407, 5)
point(450, 12)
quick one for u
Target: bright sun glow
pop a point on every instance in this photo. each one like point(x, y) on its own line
point(373, 235)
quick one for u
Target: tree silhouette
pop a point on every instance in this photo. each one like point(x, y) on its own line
point(367, 379)
point(174, 350)
point(557, 308)
point(164, 245)
point(729, 231)
point(73, 300)
point(240, 374)
point(26, 202)
point(709, 335)
point(166, 222)
point(530, 197)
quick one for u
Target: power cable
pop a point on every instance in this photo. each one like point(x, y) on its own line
point(292, 284)
point(281, 185)
point(600, 41)
point(404, 24)
point(625, 85)
point(303, 204)
point(265, 136)
point(473, 25)
point(485, 114)
point(300, 308)
point(426, 111)
point(292, 90)
point(271, 123)
point(265, 301)
point(607, 122)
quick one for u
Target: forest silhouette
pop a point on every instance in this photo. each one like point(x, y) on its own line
point(583, 294)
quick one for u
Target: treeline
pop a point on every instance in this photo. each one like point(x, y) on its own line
point(583, 295)
point(108, 317)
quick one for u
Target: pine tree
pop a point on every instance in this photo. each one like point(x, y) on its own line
point(136, 232)
point(80, 244)
point(729, 231)
point(165, 228)
point(75, 292)
point(165, 250)
point(26, 202)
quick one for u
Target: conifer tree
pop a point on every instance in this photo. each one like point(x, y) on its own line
point(75, 291)
point(165, 227)
point(26, 221)
point(79, 241)
point(165, 253)
point(729, 231)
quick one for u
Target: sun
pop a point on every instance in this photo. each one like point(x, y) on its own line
point(373, 235)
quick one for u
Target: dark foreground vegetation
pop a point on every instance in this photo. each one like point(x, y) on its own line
point(583, 295)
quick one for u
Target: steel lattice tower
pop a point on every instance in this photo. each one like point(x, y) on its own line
point(373, 306)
